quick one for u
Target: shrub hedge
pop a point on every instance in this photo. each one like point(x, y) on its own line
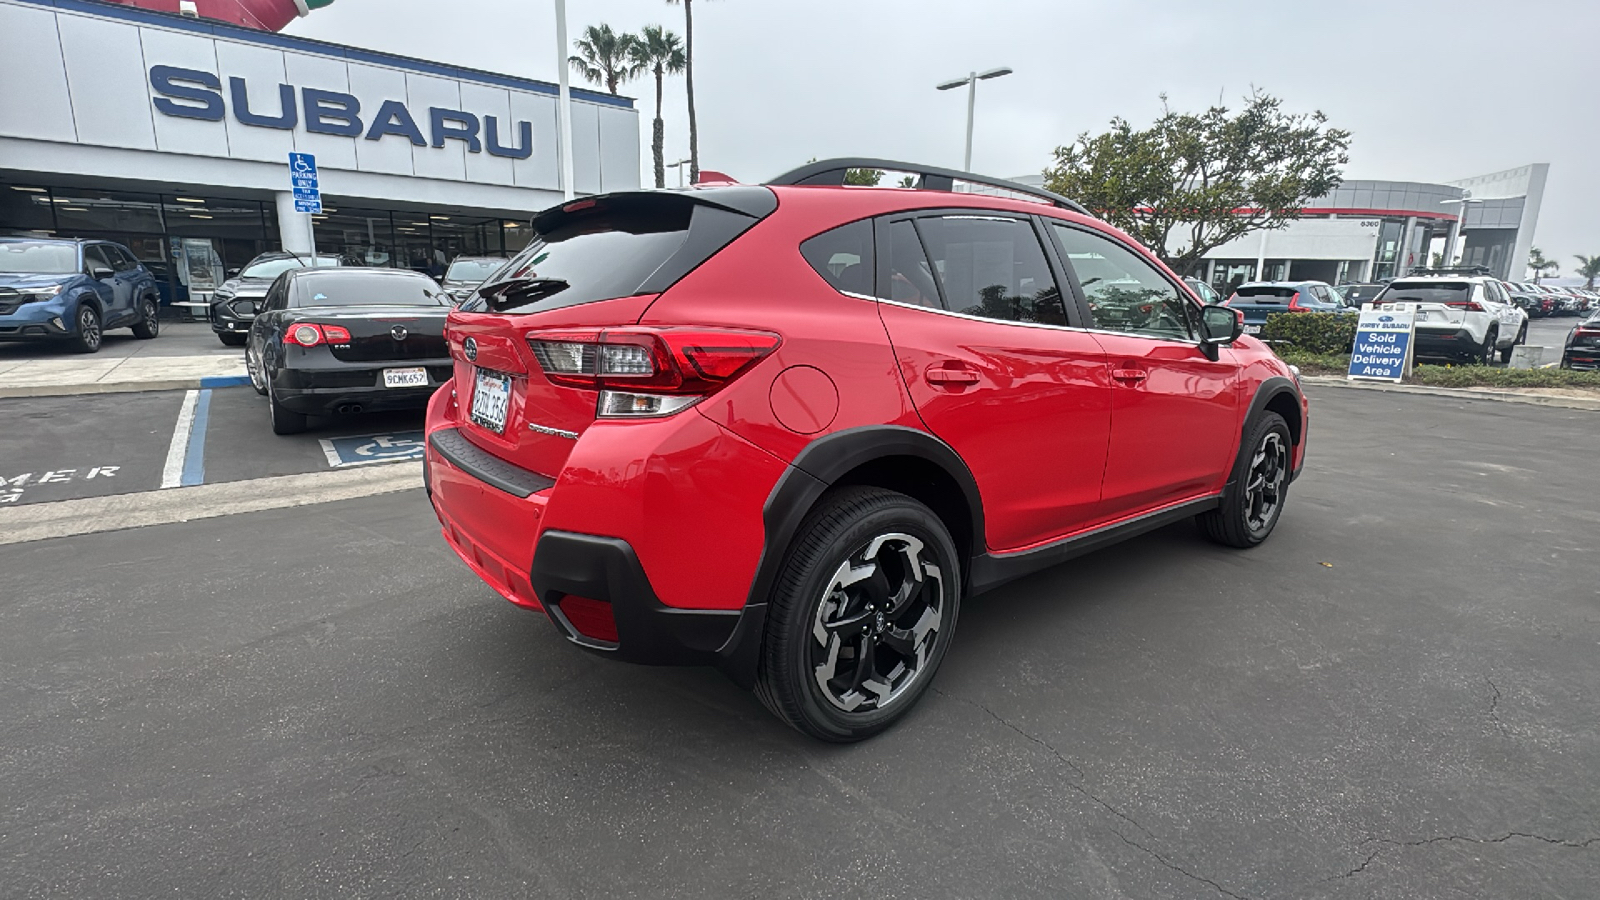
point(1311, 332)
point(1449, 375)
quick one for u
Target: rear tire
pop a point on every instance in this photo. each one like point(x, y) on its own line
point(149, 324)
point(1522, 338)
point(284, 421)
point(231, 340)
point(252, 365)
point(861, 615)
point(1253, 501)
point(1486, 353)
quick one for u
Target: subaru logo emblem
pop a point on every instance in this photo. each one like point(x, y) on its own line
point(398, 332)
point(1386, 318)
point(470, 347)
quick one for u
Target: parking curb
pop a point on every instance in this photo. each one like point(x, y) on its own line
point(123, 387)
point(1504, 396)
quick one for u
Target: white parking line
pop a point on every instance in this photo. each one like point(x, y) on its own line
point(172, 472)
point(91, 515)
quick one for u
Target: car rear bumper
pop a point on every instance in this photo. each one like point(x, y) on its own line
point(326, 390)
point(1442, 340)
point(623, 595)
point(1581, 358)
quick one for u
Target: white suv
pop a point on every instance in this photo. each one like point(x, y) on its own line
point(1468, 316)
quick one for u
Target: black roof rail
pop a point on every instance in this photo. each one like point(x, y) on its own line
point(929, 178)
point(1469, 271)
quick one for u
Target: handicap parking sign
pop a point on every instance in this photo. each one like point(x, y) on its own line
point(367, 449)
point(303, 182)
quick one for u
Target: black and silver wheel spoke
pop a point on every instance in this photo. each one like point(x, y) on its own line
point(1264, 483)
point(876, 623)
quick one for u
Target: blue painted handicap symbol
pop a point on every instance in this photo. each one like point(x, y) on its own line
point(367, 449)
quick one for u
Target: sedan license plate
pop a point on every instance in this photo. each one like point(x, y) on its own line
point(405, 378)
point(1252, 329)
point(491, 395)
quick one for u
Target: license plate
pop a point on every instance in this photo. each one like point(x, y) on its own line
point(1422, 316)
point(405, 378)
point(491, 395)
point(1252, 329)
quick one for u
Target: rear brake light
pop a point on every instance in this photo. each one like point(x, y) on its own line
point(649, 361)
point(1294, 303)
point(310, 334)
point(591, 618)
point(1469, 306)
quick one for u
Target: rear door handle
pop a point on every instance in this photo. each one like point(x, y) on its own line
point(1129, 376)
point(946, 374)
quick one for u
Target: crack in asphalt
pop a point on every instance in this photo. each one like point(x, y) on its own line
point(1059, 757)
point(1560, 842)
point(1179, 869)
point(1494, 706)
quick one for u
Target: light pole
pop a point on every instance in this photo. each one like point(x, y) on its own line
point(679, 166)
point(565, 137)
point(1456, 226)
point(971, 81)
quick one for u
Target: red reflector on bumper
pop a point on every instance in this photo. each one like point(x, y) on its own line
point(592, 618)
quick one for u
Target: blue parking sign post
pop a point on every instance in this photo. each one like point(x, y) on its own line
point(307, 193)
point(1383, 347)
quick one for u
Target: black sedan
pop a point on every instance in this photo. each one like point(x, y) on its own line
point(347, 340)
point(1583, 345)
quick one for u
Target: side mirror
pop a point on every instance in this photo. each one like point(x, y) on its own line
point(233, 273)
point(100, 272)
point(1219, 325)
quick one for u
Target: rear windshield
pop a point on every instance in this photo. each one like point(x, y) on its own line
point(1427, 292)
point(272, 268)
point(1262, 293)
point(38, 258)
point(472, 269)
point(613, 246)
point(368, 289)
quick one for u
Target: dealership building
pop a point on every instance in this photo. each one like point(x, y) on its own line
point(171, 135)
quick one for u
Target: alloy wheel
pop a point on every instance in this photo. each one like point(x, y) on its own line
point(152, 316)
point(252, 367)
point(877, 623)
point(1269, 468)
point(89, 328)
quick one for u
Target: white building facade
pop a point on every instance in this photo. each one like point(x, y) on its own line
point(171, 135)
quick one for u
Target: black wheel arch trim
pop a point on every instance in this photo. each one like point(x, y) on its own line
point(1269, 390)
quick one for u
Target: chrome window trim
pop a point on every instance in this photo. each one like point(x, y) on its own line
point(946, 312)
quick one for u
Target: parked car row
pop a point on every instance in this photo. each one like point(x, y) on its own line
point(1541, 300)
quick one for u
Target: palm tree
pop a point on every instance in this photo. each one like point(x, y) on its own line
point(1538, 265)
point(1588, 269)
point(605, 57)
point(658, 51)
point(688, 78)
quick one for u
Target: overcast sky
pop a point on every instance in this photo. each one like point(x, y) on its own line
point(1433, 91)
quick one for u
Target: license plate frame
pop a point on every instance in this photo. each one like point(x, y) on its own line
point(489, 411)
point(407, 377)
point(1252, 329)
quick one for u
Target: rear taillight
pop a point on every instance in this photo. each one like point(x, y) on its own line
point(1469, 306)
point(1229, 301)
point(648, 371)
point(310, 334)
point(1294, 303)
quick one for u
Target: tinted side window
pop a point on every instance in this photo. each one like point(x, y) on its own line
point(910, 276)
point(1321, 293)
point(1125, 292)
point(843, 257)
point(94, 256)
point(992, 267)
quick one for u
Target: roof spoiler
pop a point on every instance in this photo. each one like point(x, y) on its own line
point(929, 178)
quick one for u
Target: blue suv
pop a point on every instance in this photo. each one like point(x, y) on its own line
point(73, 290)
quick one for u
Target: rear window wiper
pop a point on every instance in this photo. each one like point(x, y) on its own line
point(517, 291)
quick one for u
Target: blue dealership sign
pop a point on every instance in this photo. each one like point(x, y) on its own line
point(303, 181)
point(1383, 344)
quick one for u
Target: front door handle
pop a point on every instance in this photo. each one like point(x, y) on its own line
point(948, 375)
point(1129, 376)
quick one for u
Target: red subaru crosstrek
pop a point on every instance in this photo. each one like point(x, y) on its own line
point(787, 429)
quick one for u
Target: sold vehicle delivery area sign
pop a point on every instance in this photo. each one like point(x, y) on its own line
point(1383, 344)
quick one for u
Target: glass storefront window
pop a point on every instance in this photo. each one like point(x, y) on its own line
point(363, 235)
point(25, 208)
point(80, 210)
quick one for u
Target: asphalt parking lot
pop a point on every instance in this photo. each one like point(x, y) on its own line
point(1394, 697)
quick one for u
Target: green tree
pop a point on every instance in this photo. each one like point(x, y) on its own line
point(909, 181)
point(688, 81)
point(605, 57)
point(660, 52)
point(1540, 266)
point(863, 177)
point(1588, 269)
point(1192, 182)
